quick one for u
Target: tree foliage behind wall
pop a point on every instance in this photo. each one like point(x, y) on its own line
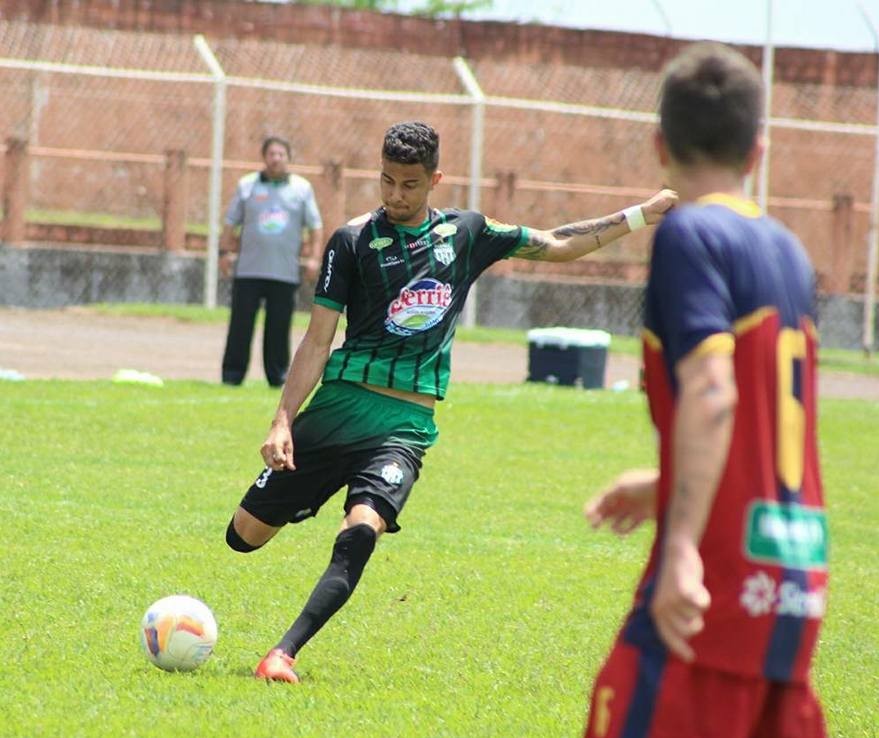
point(427, 7)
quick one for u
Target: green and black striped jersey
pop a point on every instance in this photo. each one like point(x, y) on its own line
point(403, 289)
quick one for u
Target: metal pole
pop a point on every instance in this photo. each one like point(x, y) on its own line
point(477, 138)
point(873, 234)
point(218, 135)
point(664, 16)
point(768, 77)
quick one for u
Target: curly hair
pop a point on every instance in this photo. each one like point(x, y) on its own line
point(711, 105)
point(412, 142)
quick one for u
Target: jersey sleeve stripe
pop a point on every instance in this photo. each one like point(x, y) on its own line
point(651, 339)
point(523, 239)
point(752, 320)
point(331, 304)
point(718, 344)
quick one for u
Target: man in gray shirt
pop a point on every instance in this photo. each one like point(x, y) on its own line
point(274, 209)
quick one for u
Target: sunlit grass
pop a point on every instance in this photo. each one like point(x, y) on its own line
point(487, 615)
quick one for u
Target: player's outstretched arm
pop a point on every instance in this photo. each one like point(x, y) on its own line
point(305, 372)
point(627, 503)
point(571, 241)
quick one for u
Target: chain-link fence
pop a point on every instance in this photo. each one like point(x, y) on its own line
point(136, 140)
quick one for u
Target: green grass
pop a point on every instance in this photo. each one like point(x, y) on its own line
point(486, 616)
point(842, 360)
point(105, 220)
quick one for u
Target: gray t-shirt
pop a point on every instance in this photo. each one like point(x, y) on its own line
point(272, 215)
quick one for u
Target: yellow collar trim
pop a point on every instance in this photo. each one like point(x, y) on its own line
point(740, 205)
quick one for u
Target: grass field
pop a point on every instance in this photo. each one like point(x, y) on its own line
point(486, 616)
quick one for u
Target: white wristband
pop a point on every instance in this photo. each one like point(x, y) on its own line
point(634, 217)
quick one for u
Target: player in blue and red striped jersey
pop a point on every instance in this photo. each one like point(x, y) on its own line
point(720, 639)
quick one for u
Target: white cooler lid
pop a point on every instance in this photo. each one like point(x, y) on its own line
point(568, 337)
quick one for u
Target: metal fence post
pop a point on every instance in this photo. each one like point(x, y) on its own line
point(477, 138)
point(867, 335)
point(218, 135)
point(768, 80)
point(16, 190)
point(174, 200)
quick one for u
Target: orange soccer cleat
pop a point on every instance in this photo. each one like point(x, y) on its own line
point(277, 666)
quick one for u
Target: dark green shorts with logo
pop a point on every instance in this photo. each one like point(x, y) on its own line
point(347, 436)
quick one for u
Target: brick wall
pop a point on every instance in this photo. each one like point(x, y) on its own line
point(325, 25)
point(324, 45)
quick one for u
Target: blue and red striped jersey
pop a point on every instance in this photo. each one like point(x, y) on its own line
point(724, 277)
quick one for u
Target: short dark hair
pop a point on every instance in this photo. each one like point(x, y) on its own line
point(711, 104)
point(412, 142)
point(276, 140)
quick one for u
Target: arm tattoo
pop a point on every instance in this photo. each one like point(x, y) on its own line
point(537, 246)
point(534, 248)
point(713, 394)
point(589, 227)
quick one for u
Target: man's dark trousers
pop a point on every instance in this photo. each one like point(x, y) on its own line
point(247, 294)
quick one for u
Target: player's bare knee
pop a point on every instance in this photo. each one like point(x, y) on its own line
point(236, 542)
point(247, 533)
point(365, 514)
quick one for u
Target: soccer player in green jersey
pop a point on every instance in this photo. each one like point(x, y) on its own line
point(402, 273)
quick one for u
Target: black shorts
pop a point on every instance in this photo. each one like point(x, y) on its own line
point(379, 459)
point(381, 478)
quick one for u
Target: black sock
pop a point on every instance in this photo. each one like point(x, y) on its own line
point(236, 542)
point(352, 550)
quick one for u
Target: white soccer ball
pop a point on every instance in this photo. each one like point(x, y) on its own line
point(178, 633)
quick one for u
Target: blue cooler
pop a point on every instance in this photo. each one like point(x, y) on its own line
point(568, 356)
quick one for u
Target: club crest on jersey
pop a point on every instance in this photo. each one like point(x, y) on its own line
point(380, 243)
point(444, 253)
point(419, 306)
point(392, 474)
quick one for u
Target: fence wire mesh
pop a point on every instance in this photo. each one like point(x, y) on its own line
point(117, 128)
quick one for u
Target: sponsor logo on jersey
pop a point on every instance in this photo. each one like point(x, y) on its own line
point(420, 305)
point(444, 253)
point(392, 473)
point(789, 535)
point(444, 230)
point(273, 220)
point(330, 256)
point(391, 261)
point(419, 244)
point(380, 243)
point(497, 227)
point(762, 595)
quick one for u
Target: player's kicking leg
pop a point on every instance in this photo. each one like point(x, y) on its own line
point(354, 545)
